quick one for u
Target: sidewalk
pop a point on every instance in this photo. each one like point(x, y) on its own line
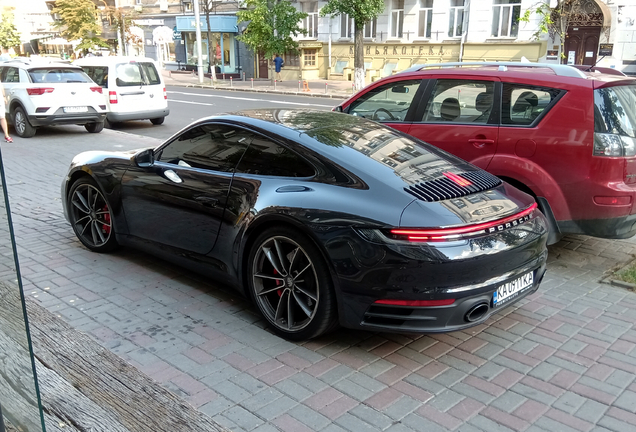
point(315, 88)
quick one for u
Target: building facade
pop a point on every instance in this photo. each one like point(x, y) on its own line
point(411, 32)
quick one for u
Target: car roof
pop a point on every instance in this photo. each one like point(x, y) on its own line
point(513, 71)
point(102, 60)
point(36, 62)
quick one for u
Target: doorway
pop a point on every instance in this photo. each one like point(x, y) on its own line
point(581, 45)
point(263, 66)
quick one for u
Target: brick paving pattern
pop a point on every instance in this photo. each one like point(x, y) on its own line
point(562, 360)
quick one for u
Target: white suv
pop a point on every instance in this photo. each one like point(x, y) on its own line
point(39, 92)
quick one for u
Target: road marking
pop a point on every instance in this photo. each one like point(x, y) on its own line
point(190, 102)
point(246, 99)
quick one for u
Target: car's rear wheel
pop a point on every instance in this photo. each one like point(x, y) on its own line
point(94, 127)
point(21, 124)
point(157, 121)
point(91, 216)
point(291, 285)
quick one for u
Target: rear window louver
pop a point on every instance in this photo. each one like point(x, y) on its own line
point(445, 188)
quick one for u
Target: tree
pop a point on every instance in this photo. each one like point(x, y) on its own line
point(121, 21)
point(78, 20)
point(9, 36)
point(208, 7)
point(362, 12)
point(271, 24)
point(552, 20)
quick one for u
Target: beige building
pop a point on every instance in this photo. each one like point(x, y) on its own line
point(411, 32)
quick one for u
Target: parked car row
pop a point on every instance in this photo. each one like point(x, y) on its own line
point(92, 92)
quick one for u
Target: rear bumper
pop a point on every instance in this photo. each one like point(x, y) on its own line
point(67, 119)
point(138, 115)
point(612, 228)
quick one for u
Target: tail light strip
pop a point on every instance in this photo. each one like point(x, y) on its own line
point(39, 90)
point(446, 234)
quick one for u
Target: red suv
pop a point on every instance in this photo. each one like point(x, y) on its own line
point(565, 136)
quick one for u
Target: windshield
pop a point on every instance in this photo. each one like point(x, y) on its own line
point(615, 110)
point(136, 74)
point(58, 75)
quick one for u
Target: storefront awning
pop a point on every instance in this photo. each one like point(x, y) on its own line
point(218, 23)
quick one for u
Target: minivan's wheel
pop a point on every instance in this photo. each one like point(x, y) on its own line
point(291, 285)
point(91, 216)
point(94, 127)
point(157, 121)
point(21, 124)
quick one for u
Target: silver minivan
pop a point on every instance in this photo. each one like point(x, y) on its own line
point(133, 85)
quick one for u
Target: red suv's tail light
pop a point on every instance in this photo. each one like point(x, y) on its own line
point(112, 97)
point(165, 93)
point(39, 90)
point(96, 89)
point(457, 233)
point(606, 144)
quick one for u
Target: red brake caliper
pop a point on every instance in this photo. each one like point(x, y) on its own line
point(105, 227)
point(279, 292)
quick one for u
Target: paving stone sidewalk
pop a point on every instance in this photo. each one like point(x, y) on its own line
point(562, 360)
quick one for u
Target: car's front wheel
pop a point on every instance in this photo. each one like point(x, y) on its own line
point(291, 285)
point(21, 124)
point(91, 216)
point(94, 127)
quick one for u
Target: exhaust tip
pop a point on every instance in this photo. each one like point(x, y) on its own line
point(477, 312)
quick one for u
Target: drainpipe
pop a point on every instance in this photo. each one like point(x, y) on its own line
point(465, 29)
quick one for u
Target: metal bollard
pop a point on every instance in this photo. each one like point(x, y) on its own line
point(231, 81)
point(325, 88)
point(299, 86)
point(252, 79)
point(223, 76)
point(243, 76)
point(275, 81)
point(353, 88)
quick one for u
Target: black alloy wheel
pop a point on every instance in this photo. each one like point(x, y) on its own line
point(91, 217)
point(291, 285)
point(94, 127)
point(21, 124)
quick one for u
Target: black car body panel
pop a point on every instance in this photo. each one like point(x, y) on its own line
point(358, 193)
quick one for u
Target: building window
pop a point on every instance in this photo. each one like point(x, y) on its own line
point(310, 57)
point(425, 18)
point(505, 18)
point(397, 18)
point(346, 26)
point(456, 18)
point(291, 58)
point(188, 7)
point(311, 22)
point(369, 28)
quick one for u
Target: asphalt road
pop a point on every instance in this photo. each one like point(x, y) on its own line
point(190, 104)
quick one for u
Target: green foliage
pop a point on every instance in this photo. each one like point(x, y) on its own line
point(79, 21)
point(362, 11)
point(552, 20)
point(271, 26)
point(9, 36)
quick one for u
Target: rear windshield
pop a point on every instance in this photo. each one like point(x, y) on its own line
point(58, 75)
point(615, 110)
point(136, 74)
point(99, 74)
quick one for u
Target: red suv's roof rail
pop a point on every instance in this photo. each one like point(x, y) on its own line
point(558, 69)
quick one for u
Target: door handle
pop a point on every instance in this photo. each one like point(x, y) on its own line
point(172, 176)
point(207, 201)
point(480, 142)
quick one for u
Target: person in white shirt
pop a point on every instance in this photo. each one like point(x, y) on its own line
point(3, 120)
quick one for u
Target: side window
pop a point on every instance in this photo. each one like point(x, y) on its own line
point(460, 101)
point(264, 157)
point(521, 105)
point(152, 77)
point(212, 146)
point(11, 75)
point(128, 74)
point(390, 102)
point(99, 74)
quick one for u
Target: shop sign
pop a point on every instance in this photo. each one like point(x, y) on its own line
point(405, 50)
point(176, 35)
point(605, 49)
point(148, 22)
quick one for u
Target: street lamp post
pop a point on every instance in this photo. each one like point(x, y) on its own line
point(197, 19)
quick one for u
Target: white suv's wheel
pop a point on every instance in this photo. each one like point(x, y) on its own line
point(21, 124)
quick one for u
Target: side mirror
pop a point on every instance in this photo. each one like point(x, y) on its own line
point(145, 158)
point(337, 108)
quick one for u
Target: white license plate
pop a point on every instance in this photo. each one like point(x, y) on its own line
point(75, 109)
point(512, 289)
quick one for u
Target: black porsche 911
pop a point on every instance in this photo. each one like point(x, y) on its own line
point(321, 218)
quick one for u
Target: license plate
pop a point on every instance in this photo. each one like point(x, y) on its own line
point(508, 291)
point(75, 109)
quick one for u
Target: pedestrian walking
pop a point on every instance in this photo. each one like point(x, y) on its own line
point(3, 120)
point(278, 64)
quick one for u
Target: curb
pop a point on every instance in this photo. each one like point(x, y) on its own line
point(251, 90)
point(617, 282)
